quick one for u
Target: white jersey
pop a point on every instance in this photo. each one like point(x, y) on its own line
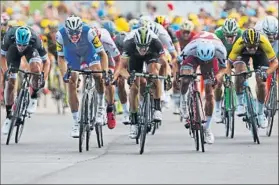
point(259, 27)
point(108, 43)
point(165, 38)
point(220, 50)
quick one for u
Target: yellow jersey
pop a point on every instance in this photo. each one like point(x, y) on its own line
point(265, 46)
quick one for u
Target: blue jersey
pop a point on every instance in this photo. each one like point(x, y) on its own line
point(82, 54)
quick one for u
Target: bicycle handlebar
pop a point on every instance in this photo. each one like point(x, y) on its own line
point(194, 75)
point(84, 72)
point(151, 76)
point(23, 71)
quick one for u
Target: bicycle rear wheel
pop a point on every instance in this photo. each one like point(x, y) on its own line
point(15, 116)
point(271, 108)
point(22, 113)
point(146, 120)
point(83, 122)
point(253, 121)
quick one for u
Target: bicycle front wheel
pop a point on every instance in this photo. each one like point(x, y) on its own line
point(253, 121)
point(146, 120)
point(22, 115)
point(199, 120)
point(83, 122)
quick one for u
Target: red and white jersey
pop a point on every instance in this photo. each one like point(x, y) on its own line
point(108, 43)
point(183, 42)
point(191, 48)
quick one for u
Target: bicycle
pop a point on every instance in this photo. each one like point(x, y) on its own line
point(58, 91)
point(228, 106)
point(195, 111)
point(146, 109)
point(250, 117)
point(20, 106)
point(88, 109)
point(271, 104)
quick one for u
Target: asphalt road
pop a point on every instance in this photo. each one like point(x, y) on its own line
point(47, 154)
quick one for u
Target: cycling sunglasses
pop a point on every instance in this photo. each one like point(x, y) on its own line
point(21, 45)
point(74, 32)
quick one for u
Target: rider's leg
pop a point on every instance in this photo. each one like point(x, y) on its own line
point(260, 60)
point(123, 99)
point(239, 67)
point(153, 68)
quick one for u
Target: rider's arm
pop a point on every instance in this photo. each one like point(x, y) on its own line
point(44, 56)
point(4, 48)
point(174, 40)
point(99, 48)
point(236, 50)
point(267, 48)
point(60, 52)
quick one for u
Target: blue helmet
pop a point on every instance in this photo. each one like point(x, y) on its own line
point(205, 51)
point(23, 35)
point(109, 26)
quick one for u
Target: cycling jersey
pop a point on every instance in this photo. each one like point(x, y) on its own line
point(275, 43)
point(220, 50)
point(34, 52)
point(51, 46)
point(220, 34)
point(265, 47)
point(82, 54)
point(172, 34)
point(136, 60)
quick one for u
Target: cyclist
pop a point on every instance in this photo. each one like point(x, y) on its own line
point(22, 41)
point(255, 45)
point(141, 46)
point(164, 37)
point(184, 35)
point(4, 27)
point(113, 56)
point(269, 27)
point(228, 34)
point(79, 47)
point(119, 41)
point(207, 51)
point(133, 24)
point(166, 24)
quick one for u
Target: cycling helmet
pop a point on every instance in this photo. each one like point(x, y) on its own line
point(270, 25)
point(23, 35)
point(251, 37)
point(205, 51)
point(143, 20)
point(143, 37)
point(187, 26)
point(230, 27)
point(134, 24)
point(160, 19)
point(73, 26)
point(153, 27)
point(109, 26)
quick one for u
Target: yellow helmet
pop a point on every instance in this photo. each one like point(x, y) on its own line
point(177, 20)
point(111, 3)
point(162, 20)
point(95, 4)
point(21, 23)
point(121, 24)
point(271, 9)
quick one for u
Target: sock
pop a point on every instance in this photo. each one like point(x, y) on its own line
point(218, 105)
point(157, 104)
point(125, 108)
point(75, 115)
point(163, 87)
point(240, 98)
point(260, 108)
point(208, 120)
point(8, 110)
point(109, 108)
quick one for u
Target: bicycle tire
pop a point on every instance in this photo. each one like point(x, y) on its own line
point(272, 100)
point(252, 116)
point(15, 116)
point(98, 130)
point(147, 119)
point(230, 114)
point(88, 132)
point(199, 120)
point(20, 126)
point(83, 120)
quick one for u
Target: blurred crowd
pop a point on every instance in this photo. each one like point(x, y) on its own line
point(92, 12)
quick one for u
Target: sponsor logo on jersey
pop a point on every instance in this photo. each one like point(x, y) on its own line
point(96, 42)
point(59, 47)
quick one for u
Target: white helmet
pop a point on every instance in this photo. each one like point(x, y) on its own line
point(73, 23)
point(142, 36)
point(144, 19)
point(270, 25)
point(205, 51)
point(153, 27)
point(187, 25)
